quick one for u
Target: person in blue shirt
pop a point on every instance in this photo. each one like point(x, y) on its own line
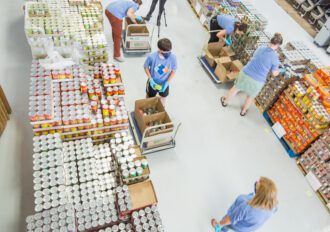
point(249, 212)
point(224, 26)
point(160, 68)
point(116, 11)
point(253, 76)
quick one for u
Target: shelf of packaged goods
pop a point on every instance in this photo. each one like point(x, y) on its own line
point(60, 127)
point(324, 199)
point(42, 122)
point(64, 80)
point(96, 129)
point(95, 135)
point(259, 107)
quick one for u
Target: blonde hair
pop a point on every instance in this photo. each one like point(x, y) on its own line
point(266, 195)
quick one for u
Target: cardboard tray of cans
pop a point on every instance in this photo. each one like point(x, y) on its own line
point(141, 195)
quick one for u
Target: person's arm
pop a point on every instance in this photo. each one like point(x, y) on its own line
point(173, 69)
point(221, 34)
point(225, 221)
point(171, 76)
point(131, 15)
point(275, 68)
point(147, 72)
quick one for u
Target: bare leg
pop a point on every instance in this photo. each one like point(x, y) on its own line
point(248, 101)
point(163, 100)
point(231, 93)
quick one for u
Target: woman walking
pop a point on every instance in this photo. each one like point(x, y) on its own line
point(253, 76)
point(116, 11)
point(225, 26)
point(250, 212)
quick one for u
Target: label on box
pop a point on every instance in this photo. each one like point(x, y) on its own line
point(137, 38)
point(198, 7)
point(278, 130)
point(202, 19)
point(313, 181)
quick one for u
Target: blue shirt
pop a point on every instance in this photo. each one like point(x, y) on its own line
point(263, 61)
point(227, 22)
point(160, 69)
point(245, 218)
point(119, 8)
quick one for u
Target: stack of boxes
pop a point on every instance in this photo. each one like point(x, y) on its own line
point(221, 59)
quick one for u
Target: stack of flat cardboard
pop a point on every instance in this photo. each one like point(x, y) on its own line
point(221, 58)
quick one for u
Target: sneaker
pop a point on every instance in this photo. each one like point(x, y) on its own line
point(119, 59)
point(147, 19)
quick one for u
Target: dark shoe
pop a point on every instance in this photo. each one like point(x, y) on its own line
point(147, 18)
point(222, 99)
point(243, 114)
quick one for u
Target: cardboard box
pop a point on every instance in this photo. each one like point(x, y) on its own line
point(212, 52)
point(220, 71)
point(145, 175)
point(163, 116)
point(226, 51)
point(227, 70)
point(146, 103)
point(137, 35)
point(142, 195)
point(235, 68)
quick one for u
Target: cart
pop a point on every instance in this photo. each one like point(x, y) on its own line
point(206, 65)
point(153, 143)
point(136, 38)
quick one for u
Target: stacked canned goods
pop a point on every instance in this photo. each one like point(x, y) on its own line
point(122, 227)
point(60, 218)
point(47, 178)
point(47, 142)
point(123, 199)
point(71, 173)
point(73, 193)
point(102, 151)
point(41, 106)
point(96, 214)
point(105, 165)
point(108, 181)
point(147, 220)
point(50, 198)
point(47, 159)
point(87, 170)
point(78, 150)
point(90, 191)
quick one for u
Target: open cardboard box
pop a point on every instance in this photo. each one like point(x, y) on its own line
point(226, 51)
point(212, 52)
point(142, 195)
point(145, 175)
point(163, 116)
point(146, 103)
point(227, 70)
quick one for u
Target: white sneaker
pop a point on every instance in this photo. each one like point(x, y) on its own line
point(119, 59)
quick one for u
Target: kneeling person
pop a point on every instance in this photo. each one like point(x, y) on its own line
point(160, 68)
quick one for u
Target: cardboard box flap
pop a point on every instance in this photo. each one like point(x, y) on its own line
point(226, 51)
point(235, 67)
point(142, 194)
point(223, 60)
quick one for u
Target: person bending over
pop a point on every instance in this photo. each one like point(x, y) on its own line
point(116, 11)
point(160, 68)
point(225, 26)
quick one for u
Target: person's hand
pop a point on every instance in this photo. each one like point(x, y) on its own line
point(228, 42)
point(164, 87)
point(154, 85)
point(139, 19)
point(283, 71)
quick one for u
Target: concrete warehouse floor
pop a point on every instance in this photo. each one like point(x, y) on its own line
point(218, 155)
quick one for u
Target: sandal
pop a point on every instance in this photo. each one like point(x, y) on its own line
point(243, 114)
point(222, 99)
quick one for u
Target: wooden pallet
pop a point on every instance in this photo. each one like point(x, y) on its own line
point(323, 199)
point(302, 168)
point(5, 110)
